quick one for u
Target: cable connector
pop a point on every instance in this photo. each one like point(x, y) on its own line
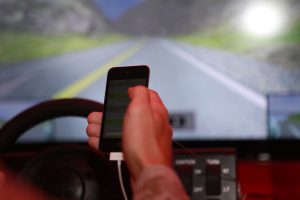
point(118, 156)
point(115, 156)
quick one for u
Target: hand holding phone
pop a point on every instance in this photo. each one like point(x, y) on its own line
point(119, 80)
point(147, 138)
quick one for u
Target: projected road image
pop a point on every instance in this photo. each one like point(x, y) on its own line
point(210, 92)
point(284, 116)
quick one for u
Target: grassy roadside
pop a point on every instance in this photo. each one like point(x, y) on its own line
point(225, 39)
point(295, 118)
point(18, 47)
point(292, 36)
point(218, 40)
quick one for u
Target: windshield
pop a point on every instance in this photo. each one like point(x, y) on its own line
point(217, 65)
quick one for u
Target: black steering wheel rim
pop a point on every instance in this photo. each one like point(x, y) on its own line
point(72, 171)
point(43, 111)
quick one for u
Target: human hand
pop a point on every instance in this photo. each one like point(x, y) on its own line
point(93, 129)
point(147, 135)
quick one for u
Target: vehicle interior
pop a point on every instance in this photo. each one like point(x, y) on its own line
point(228, 72)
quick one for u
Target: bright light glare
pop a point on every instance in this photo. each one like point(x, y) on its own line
point(263, 19)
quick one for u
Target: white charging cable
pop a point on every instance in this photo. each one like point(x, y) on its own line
point(118, 156)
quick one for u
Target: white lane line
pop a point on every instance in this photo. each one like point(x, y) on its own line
point(247, 93)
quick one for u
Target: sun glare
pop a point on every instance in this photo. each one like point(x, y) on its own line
point(263, 19)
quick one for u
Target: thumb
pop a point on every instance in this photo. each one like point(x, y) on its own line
point(139, 94)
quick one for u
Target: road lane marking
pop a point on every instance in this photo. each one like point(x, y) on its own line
point(244, 91)
point(78, 86)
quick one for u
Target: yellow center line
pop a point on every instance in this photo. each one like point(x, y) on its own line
point(78, 86)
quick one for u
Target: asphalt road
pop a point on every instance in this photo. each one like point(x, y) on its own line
point(216, 105)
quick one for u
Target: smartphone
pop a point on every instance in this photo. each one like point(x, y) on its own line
point(116, 100)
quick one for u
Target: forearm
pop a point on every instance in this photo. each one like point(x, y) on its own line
point(159, 183)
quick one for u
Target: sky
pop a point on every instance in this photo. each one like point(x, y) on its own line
point(114, 9)
point(288, 104)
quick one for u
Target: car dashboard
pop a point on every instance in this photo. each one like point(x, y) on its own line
point(242, 171)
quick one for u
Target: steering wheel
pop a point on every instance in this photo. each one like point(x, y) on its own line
point(66, 172)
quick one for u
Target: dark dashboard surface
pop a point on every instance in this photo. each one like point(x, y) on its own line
point(208, 170)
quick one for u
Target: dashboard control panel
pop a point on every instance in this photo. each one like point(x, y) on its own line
point(208, 176)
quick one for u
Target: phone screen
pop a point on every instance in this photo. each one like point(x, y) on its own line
point(119, 80)
point(117, 102)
